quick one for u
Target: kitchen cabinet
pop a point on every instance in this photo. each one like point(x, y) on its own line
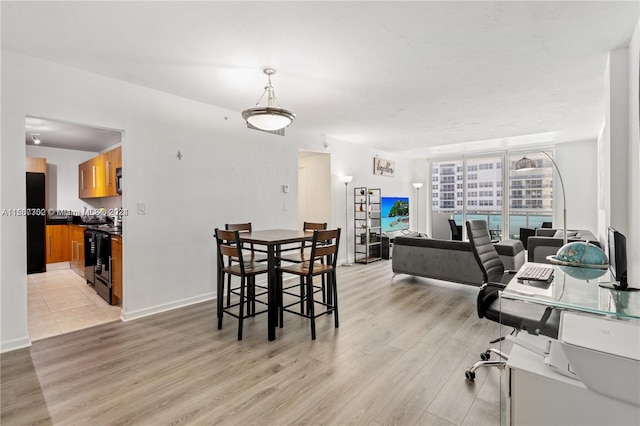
point(112, 160)
point(36, 165)
point(89, 178)
point(58, 243)
point(116, 270)
point(97, 176)
point(76, 234)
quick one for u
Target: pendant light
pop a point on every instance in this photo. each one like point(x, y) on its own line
point(271, 117)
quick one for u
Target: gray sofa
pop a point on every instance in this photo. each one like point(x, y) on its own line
point(546, 242)
point(448, 260)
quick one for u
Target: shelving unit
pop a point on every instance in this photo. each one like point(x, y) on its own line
point(367, 224)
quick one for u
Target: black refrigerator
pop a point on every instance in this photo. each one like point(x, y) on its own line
point(36, 225)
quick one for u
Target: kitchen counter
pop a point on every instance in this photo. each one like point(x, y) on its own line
point(107, 229)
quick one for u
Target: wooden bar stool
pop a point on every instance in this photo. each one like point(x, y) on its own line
point(303, 255)
point(323, 247)
point(232, 262)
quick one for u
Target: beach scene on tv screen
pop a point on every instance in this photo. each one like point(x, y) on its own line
point(395, 213)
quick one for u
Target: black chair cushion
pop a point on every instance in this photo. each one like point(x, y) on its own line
point(517, 314)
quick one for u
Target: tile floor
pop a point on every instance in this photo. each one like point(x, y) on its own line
point(60, 301)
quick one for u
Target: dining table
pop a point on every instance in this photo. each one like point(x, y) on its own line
point(273, 240)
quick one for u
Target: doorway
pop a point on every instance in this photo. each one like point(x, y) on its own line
point(59, 298)
point(314, 187)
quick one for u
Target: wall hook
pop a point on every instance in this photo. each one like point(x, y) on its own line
point(179, 155)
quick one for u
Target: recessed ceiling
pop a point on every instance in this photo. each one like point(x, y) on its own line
point(60, 134)
point(397, 76)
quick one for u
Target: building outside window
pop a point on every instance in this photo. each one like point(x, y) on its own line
point(527, 198)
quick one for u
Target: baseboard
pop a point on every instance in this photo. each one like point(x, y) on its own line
point(15, 344)
point(57, 266)
point(128, 316)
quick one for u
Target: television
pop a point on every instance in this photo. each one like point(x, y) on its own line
point(394, 214)
point(617, 252)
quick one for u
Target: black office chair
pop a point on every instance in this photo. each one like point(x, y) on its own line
point(535, 319)
point(456, 230)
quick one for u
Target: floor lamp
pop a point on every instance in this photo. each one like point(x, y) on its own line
point(528, 164)
point(417, 186)
point(346, 180)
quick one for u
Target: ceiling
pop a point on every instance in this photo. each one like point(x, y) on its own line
point(60, 134)
point(405, 77)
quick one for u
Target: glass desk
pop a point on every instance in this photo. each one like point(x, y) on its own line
point(538, 393)
point(570, 289)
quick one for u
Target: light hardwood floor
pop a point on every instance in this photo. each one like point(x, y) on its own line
point(398, 357)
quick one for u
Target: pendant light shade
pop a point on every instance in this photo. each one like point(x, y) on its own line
point(271, 117)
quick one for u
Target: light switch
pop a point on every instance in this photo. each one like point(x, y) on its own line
point(142, 208)
point(285, 188)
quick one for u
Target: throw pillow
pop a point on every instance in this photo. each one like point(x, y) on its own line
point(559, 234)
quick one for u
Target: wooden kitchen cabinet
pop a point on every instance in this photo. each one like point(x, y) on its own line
point(116, 270)
point(76, 234)
point(97, 177)
point(86, 176)
point(36, 165)
point(113, 160)
point(58, 243)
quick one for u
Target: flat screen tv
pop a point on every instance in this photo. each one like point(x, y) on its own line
point(617, 252)
point(394, 214)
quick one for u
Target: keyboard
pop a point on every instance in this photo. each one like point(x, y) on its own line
point(536, 273)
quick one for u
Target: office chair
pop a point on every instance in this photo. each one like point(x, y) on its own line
point(534, 319)
point(456, 230)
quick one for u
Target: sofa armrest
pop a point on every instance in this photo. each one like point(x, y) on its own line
point(541, 247)
point(545, 232)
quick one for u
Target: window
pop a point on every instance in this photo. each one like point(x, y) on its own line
point(530, 193)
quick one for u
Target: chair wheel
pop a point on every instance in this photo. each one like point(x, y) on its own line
point(470, 375)
point(485, 356)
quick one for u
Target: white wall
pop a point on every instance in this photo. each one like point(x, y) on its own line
point(62, 175)
point(578, 163)
point(227, 174)
point(633, 237)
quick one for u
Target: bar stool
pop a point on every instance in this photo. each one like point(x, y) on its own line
point(246, 227)
point(303, 256)
point(232, 262)
point(324, 246)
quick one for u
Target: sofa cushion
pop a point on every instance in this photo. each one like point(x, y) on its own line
point(423, 241)
point(560, 234)
point(509, 247)
point(448, 260)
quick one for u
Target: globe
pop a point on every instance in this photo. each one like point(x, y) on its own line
point(583, 273)
point(582, 254)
